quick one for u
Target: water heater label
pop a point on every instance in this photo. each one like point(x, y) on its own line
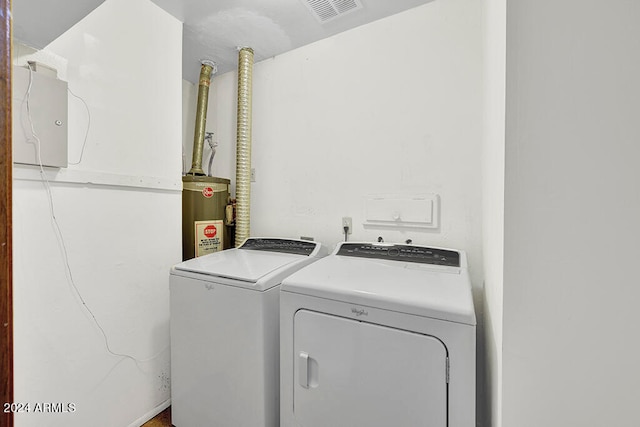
point(207, 192)
point(206, 188)
point(208, 236)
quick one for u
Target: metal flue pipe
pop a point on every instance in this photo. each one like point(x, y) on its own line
point(206, 71)
point(243, 145)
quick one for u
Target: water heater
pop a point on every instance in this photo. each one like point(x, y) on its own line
point(204, 198)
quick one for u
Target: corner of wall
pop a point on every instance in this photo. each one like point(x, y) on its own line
point(493, 200)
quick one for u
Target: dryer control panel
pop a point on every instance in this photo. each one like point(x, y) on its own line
point(289, 246)
point(405, 253)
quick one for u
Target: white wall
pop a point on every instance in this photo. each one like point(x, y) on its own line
point(119, 214)
point(493, 200)
point(189, 101)
point(390, 107)
point(572, 209)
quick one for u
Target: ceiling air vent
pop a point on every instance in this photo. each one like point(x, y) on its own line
point(327, 10)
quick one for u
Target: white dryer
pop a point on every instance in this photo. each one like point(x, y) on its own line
point(378, 335)
point(224, 332)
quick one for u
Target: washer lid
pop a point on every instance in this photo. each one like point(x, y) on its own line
point(433, 291)
point(259, 263)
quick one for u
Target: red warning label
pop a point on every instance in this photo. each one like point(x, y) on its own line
point(209, 235)
point(210, 231)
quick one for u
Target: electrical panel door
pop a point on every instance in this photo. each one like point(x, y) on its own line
point(40, 131)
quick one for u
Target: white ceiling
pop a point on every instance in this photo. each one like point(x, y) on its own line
point(39, 22)
point(213, 29)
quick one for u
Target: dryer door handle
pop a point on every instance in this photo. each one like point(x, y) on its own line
point(303, 369)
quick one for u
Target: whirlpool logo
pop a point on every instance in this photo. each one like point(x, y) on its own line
point(359, 311)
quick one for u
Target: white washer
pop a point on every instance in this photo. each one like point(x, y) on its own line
point(378, 335)
point(224, 332)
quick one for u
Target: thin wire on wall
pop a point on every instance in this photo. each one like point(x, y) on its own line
point(61, 241)
point(86, 135)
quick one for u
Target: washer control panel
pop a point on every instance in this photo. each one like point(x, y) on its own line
point(405, 253)
point(295, 247)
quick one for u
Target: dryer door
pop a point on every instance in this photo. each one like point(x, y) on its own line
point(351, 373)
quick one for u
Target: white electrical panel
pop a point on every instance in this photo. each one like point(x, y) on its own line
point(47, 112)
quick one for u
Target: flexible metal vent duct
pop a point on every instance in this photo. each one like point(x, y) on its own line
point(243, 145)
